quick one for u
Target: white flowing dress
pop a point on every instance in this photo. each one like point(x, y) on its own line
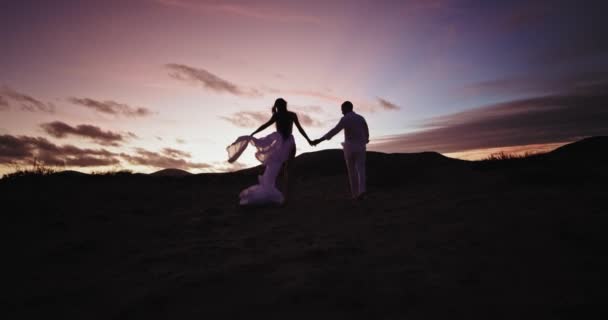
point(272, 151)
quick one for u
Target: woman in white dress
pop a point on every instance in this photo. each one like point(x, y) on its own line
point(274, 151)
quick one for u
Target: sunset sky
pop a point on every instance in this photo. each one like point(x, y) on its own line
point(151, 84)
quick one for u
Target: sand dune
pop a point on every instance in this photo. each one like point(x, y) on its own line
point(171, 173)
point(436, 238)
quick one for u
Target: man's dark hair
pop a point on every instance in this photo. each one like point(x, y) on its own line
point(347, 106)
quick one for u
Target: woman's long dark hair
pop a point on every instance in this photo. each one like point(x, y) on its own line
point(284, 122)
point(280, 105)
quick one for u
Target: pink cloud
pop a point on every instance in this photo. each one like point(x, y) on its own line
point(207, 79)
point(60, 129)
point(111, 107)
point(24, 101)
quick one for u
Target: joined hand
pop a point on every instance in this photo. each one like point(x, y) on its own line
point(315, 142)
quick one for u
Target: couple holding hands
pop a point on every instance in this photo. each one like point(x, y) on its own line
point(276, 150)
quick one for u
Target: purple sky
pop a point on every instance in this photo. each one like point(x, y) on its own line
point(149, 84)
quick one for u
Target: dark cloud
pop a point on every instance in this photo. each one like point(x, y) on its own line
point(24, 149)
point(540, 84)
point(89, 161)
point(176, 153)
point(544, 119)
point(207, 79)
point(111, 107)
point(387, 105)
point(517, 85)
point(24, 101)
point(161, 160)
point(60, 129)
point(253, 119)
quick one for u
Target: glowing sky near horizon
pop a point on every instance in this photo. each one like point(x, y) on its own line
point(456, 77)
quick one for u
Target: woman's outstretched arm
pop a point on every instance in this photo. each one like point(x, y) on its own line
point(265, 125)
point(297, 122)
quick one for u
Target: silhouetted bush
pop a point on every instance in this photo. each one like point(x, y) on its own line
point(500, 156)
point(119, 172)
point(38, 169)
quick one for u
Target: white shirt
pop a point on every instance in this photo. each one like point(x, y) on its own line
point(355, 129)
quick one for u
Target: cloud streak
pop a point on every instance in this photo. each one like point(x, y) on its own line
point(210, 81)
point(176, 153)
point(387, 105)
point(308, 121)
point(111, 107)
point(247, 119)
point(9, 96)
point(169, 158)
point(380, 105)
point(242, 10)
point(539, 84)
point(544, 119)
point(253, 119)
point(60, 129)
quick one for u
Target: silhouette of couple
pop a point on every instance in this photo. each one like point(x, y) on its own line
point(276, 150)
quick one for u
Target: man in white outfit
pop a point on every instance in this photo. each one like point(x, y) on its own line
point(356, 136)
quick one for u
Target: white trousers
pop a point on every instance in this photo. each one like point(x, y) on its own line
point(355, 164)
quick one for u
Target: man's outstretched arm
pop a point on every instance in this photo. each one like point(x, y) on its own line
point(332, 132)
